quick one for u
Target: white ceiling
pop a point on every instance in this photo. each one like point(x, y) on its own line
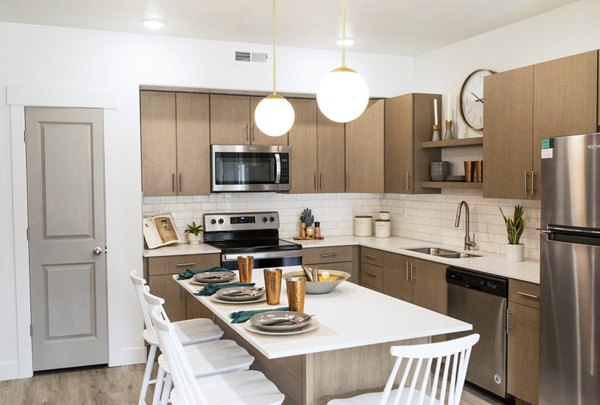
point(400, 27)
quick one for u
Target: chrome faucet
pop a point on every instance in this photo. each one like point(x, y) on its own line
point(469, 243)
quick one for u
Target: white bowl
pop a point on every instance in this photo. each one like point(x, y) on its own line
point(321, 287)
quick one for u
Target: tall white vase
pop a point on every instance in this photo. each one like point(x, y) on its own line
point(515, 253)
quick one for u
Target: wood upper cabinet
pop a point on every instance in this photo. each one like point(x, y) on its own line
point(159, 144)
point(507, 141)
point(303, 145)
point(232, 122)
point(330, 155)
point(523, 341)
point(408, 122)
point(565, 101)
point(256, 136)
point(175, 143)
point(364, 150)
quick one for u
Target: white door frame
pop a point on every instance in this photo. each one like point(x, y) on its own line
point(19, 97)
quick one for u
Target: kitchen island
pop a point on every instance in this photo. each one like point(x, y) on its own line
point(348, 353)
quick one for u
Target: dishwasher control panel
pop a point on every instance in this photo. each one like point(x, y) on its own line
point(477, 281)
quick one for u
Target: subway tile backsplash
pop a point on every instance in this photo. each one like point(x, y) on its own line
point(425, 217)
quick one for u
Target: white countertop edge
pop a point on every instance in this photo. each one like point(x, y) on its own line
point(181, 249)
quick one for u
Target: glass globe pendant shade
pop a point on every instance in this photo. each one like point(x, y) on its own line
point(274, 115)
point(342, 95)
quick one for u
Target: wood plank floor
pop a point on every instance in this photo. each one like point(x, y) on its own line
point(104, 385)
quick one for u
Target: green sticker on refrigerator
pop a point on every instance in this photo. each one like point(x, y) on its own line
point(547, 145)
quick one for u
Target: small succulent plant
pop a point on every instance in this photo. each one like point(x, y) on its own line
point(193, 228)
point(515, 225)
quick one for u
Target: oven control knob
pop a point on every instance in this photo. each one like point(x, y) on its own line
point(264, 219)
point(213, 221)
point(272, 219)
point(221, 221)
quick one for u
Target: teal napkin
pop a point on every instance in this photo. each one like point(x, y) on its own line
point(243, 316)
point(190, 273)
point(210, 289)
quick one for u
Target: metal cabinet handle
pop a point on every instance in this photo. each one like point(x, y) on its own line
point(328, 254)
point(407, 182)
point(247, 133)
point(371, 274)
point(180, 182)
point(320, 181)
point(315, 181)
point(173, 182)
point(412, 277)
point(184, 264)
point(370, 257)
point(407, 270)
point(532, 296)
point(526, 190)
point(533, 175)
point(97, 250)
point(252, 132)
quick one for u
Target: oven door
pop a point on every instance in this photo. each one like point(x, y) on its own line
point(250, 168)
point(263, 260)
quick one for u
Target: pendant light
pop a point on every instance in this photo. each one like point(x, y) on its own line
point(343, 94)
point(274, 115)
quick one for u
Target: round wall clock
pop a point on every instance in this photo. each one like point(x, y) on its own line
point(471, 98)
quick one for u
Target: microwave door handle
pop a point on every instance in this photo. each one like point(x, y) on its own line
point(277, 168)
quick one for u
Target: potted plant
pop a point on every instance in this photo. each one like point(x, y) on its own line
point(515, 226)
point(194, 233)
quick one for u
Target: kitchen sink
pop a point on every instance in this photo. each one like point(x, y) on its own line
point(450, 254)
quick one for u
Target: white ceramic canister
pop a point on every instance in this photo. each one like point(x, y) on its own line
point(363, 225)
point(385, 215)
point(382, 228)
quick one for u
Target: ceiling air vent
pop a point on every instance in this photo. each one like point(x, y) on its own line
point(252, 57)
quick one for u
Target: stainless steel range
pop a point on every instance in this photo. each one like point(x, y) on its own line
point(253, 233)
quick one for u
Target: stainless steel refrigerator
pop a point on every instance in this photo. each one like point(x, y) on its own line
point(570, 271)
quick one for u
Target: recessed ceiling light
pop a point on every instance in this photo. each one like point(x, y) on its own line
point(346, 42)
point(153, 23)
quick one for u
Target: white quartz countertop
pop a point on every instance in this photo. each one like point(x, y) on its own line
point(181, 249)
point(349, 316)
point(488, 263)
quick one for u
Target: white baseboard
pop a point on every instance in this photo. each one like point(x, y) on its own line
point(9, 370)
point(127, 356)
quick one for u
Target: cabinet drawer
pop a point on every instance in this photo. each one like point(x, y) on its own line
point(178, 264)
point(524, 293)
point(327, 255)
point(371, 256)
point(371, 276)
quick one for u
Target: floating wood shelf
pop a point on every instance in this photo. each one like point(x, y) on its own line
point(452, 143)
point(451, 184)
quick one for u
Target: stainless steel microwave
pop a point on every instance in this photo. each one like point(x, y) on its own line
point(250, 168)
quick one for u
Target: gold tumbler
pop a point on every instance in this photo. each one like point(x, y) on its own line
point(273, 285)
point(478, 171)
point(296, 287)
point(245, 268)
point(468, 171)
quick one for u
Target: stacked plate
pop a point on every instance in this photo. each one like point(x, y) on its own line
point(214, 277)
point(240, 295)
point(439, 170)
point(281, 323)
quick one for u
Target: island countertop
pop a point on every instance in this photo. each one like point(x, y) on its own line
point(349, 316)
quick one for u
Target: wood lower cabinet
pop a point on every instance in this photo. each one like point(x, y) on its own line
point(159, 272)
point(418, 281)
point(371, 268)
point(364, 151)
point(303, 145)
point(175, 138)
point(523, 341)
point(341, 258)
point(408, 121)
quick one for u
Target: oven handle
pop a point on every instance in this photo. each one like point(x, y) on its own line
point(278, 168)
point(232, 257)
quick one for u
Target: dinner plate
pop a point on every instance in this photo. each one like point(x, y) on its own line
point(215, 277)
point(309, 326)
point(262, 320)
point(227, 294)
point(220, 301)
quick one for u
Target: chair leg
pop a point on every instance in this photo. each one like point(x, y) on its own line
point(166, 390)
point(147, 373)
point(160, 379)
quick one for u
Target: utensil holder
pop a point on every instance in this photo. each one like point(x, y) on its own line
point(273, 285)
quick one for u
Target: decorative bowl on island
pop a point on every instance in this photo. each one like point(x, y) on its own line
point(328, 280)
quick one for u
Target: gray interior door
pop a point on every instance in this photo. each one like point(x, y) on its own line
point(65, 187)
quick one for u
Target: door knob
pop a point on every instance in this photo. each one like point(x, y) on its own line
point(97, 250)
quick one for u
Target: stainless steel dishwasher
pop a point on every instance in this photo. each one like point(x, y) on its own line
point(481, 300)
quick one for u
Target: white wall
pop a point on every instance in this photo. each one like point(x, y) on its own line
point(84, 59)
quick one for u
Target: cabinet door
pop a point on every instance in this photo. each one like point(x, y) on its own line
point(398, 145)
point(303, 146)
point(364, 151)
point(174, 295)
point(158, 131)
point(423, 118)
point(429, 286)
point(257, 137)
point(523, 352)
point(330, 155)
point(396, 282)
point(193, 144)
point(507, 146)
point(194, 309)
point(565, 101)
point(229, 123)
